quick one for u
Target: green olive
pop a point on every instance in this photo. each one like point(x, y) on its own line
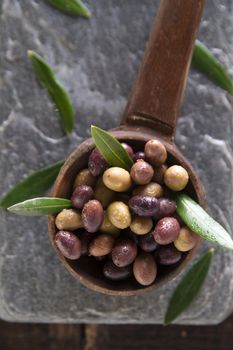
point(141, 225)
point(108, 227)
point(117, 179)
point(119, 215)
point(103, 194)
point(152, 189)
point(176, 178)
point(69, 219)
point(186, 240)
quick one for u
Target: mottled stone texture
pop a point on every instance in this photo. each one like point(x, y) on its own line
point(97, 60)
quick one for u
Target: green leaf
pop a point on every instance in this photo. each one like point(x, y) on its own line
point(196, 218)
point(55, 89)
point(111, 149)
point(40, 206)
point(72, 7)
point(34, 185)
point(188, 288)
point(206, 63)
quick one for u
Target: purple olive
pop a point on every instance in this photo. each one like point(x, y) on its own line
point(92, 215)
point(139, 155)
point(124, 252)
point(68, 244)
point(168, 255)
point(167, 207)
point(81, 195)
point(128, 149)
point(115, 273)
point(96, 163)
point(147, 243)
point(144, 205)
point(85, 238)
point(166, 230)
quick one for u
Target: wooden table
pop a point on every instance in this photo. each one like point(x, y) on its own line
point(115, 337)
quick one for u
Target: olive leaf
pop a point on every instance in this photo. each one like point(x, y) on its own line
point(206, 63)
point(40, 206)
point(72, 7)
point(188, 288)
point(55, 89)
point(111, 149)
point(34, 185)
point(197, 219)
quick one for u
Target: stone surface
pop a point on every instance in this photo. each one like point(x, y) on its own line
point(97, 61)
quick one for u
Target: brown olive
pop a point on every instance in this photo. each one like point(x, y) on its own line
point(119, 215)
point(176, 178)
point(152, 189)
point(69, 219)
point(68, 244)
point(92, 215)
point(159, 174)
point(117, 179)
point(141, 225)
point(81, 195)
point(115, 273)
point(103, 194)
point(84, 177)
point(166, 230)
point(144, 269)
point(124, 252)
point(141, 172)
point(155, 152)
point(167, 255)
point(186, 240)
point(101, 245)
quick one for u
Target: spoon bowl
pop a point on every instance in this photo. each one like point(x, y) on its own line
point(152, 112)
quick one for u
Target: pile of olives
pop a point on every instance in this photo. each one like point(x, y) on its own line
point(126, 221)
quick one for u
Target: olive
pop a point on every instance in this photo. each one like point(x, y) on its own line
point(176, 178)
point(186, 240)
point(92, 215)
point(85, 238)
point(141, 225)
point(81, 195)
point(115, 273)
point(152, 189)
point(108, 227)
point(144, 205)
point(119, 215)
point(159, 174)
point(69, 219)
point(139, 155)
point(96, 163)
point(117, 179)
point(141, 172)
point(166, 230)
point(101, 245)
point(128, 149)
point(124, 252)
point(84, 177)
point(155, 152)
point(144, 269)
point(147, 243)
point(167, 207)
point(103, 194)
point(168, 255)
point(68, 244)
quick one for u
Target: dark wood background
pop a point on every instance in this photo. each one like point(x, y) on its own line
point(115, 337)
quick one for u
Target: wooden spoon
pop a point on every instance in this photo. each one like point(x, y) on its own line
point(151, 112)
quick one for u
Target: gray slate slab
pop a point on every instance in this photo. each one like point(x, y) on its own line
point(97, 61)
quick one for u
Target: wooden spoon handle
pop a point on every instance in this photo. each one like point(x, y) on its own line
point(157, 92)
